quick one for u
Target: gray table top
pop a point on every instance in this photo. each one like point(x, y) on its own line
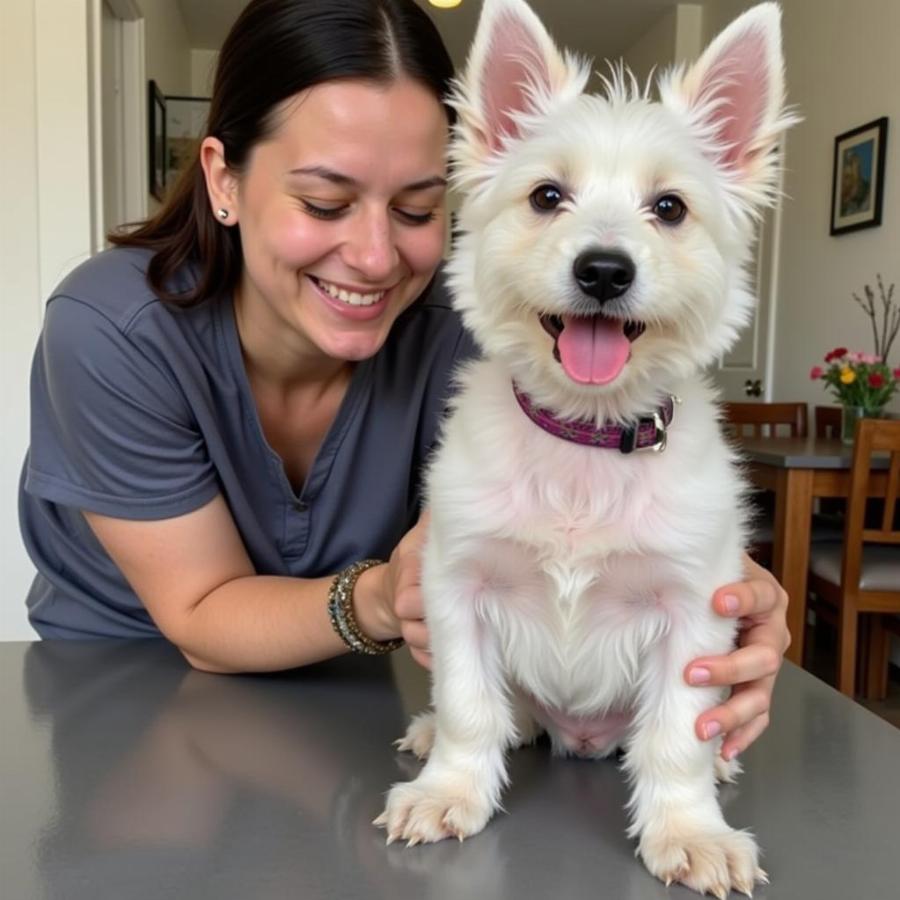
point(124, 774)
point(802, 453)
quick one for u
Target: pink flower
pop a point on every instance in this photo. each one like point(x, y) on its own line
point(855, 356)
point(876, 379)
point(818, 372)
point(870, 359)
point(896, 374)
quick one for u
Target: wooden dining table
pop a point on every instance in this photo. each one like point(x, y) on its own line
point(798, 470)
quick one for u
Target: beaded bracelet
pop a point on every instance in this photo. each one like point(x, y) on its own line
point(340, 611)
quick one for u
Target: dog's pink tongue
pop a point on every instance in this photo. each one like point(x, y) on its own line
point(593, 350)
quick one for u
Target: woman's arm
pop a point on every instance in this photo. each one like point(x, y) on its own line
point(197, 582)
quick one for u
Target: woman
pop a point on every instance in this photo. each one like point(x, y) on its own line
point(231, 408)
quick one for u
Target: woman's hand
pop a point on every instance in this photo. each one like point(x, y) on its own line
point(404, 592)
point(760, 603)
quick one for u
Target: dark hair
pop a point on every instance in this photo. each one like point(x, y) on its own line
point(276, 49)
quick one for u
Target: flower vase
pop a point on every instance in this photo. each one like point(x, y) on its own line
point(850, 415)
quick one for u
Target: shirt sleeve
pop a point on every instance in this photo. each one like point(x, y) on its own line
point(111, 430)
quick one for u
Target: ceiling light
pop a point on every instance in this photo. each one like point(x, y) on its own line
point(445, 4)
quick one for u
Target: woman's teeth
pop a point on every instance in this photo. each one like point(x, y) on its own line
point(350, 297)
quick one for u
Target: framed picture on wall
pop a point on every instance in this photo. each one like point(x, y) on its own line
point(156, 134)
point(185, 127)
point(857, 188)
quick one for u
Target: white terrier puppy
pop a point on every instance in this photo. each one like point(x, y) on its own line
point(568, 572)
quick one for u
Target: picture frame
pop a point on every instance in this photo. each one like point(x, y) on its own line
point(857, 184)
point(186, 119)
point(156, 138)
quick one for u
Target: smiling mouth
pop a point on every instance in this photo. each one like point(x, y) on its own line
point(592, 349)
point(351, 298)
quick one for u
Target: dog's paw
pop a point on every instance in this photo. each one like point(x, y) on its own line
point(428, 810)
point(727, 770)
point(708, 861)
point(419, 737)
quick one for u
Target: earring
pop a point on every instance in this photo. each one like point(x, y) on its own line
point(222, 213)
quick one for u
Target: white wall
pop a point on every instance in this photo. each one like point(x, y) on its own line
point(46, 221)
point(19, 290)
point(167, 51)
point(45, 226)
point(842, 71)
point(688, 32)
point(203, 69)
point(675, 38)
point(655, 49)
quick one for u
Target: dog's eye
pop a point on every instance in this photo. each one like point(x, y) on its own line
point(546, 197)
point(670, 209)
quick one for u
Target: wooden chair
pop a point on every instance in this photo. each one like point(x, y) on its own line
point(861, 575)
point(879, 655)
point(764, 419)
point(827, 421)
point(758, 420)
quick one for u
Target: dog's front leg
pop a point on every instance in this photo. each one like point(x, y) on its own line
point(675, 814)
point(459, 787)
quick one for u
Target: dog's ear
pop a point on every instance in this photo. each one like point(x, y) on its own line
point(734, 97)
point(513, 75)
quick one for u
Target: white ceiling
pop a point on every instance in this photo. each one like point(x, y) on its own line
point(598, 28)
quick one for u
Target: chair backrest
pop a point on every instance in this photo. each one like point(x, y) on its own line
point(873, 436)
point(827, 421)
point(763, 419)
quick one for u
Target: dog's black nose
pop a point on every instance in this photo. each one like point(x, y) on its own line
point(604, 274)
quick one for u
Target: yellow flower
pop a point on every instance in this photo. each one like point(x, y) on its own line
point(848, 376)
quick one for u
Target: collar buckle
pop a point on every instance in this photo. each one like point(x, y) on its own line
point(629, 441)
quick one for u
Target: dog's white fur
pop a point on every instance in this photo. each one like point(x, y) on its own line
point(567, 587)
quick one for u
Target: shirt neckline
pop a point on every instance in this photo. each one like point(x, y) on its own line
point(357, 391)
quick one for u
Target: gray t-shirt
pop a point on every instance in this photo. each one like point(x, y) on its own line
point(140, 410)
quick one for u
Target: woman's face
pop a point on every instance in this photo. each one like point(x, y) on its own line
point(341, 213)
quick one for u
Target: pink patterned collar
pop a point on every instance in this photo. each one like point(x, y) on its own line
point(647, 433)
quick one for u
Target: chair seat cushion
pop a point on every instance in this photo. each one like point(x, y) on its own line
point(880, 565)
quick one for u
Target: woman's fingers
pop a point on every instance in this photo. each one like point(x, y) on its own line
point(758, 596)
point(743, 736)
point(407, 565)
point(746, 664)
point(408, 602)
point(750, 669)
point(741, 709)
point(415, 633)
point(409, 607)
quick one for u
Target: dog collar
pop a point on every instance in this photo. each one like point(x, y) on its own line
point(648, 433)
